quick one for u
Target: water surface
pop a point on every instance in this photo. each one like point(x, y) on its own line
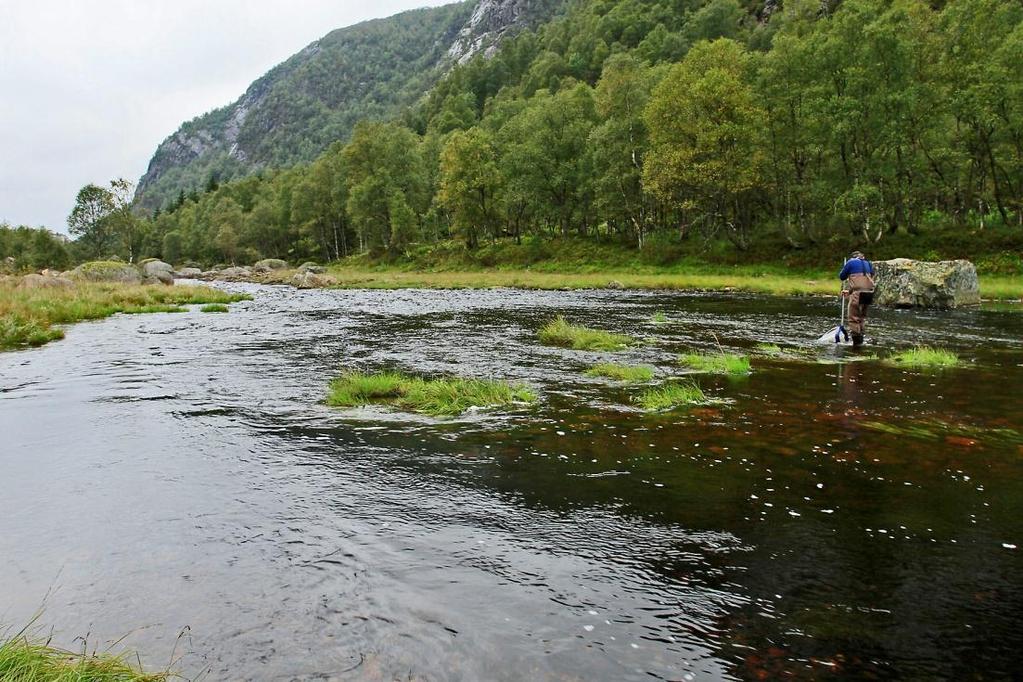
point(176, 480)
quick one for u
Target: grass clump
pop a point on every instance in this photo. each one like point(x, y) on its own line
point(621, 372)
point(717, 363)
point(441, 397)
point(672, 395)
point(24, 661)
point(770, 349)
point(924, 357)
point(28, 316)
point(659, 318)
point(214, 308)
point(558, 332)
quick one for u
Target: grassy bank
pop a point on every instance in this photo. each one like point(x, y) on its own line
point(22, 660)
point(441, 397)
point(28, 317)
point(588, 264)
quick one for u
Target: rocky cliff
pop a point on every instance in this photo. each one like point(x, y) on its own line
point(295, 111)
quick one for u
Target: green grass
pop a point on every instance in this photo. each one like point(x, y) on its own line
point(621, 372)
point(558, 332)
point(716, 363)
point(924, 357)
point(441, 397)
point(214, 308)
point(659, 318)
point(770, 349)
point(22, 660)
point(672, 395)
point(28, 317)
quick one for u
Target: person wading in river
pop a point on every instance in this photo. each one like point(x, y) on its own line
point(858, 275)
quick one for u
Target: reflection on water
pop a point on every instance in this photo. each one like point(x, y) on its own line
point(173, 474)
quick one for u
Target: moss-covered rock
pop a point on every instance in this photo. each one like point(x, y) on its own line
point(905, 283)
point(269, 265)
point(107, 271)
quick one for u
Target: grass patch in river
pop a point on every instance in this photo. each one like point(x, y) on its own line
point(441, 397)
point(659, 318)
point(214, 308)
point(22, 660)
point(672, 395)
point(558, 332)
point(717, 363)
point(28, 316)
point(155, 308)
point(610, 370)
point(924, 357)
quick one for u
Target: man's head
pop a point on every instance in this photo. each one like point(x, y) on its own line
point(856, 254)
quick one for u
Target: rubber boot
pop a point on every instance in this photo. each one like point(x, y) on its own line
point(857, 340)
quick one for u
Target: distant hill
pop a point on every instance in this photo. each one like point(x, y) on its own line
point(367, 71)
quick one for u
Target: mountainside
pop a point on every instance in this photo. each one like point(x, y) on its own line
point(367, 71)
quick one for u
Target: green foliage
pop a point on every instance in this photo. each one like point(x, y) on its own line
point(621, 372)
point(716, 363)
point(32, 248)
point(442, 397)
point(558, 332)
point(22, 660)
point(924, 357)
point(672, 395)
point(214, 308)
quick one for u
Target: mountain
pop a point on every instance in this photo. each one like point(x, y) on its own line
point(295, 111)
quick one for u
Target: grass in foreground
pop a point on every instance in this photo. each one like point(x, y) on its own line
point(24, 661)
point(717, 363)
point(672, 395)
point(621, 372)
point(214, 308)
point(924, 357)
point(558, 332)
point(28, 316)
point(443, 397)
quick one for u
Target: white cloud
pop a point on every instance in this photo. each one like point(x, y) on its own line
point(91, 87)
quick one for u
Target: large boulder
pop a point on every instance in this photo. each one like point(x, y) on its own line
point(905, 283)
point(35, 281)
point(236, 273)
point(188, 273)
point(312, 267)
point(312, 280)
point(269, 265)
point(157, 271)
point(107, 271)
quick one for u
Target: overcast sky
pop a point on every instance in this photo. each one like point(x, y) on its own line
point(89, 88)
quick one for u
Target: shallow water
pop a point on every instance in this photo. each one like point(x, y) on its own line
point(175, 480)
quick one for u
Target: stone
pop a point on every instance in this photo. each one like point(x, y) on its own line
point(35, 281)
point(188, 273)
point(157, 271)
point(269, 265)
point(234, 273)
point(312, 267)
point(614, 284)
point(312, 280)
point(107, 271)
point(906, 283)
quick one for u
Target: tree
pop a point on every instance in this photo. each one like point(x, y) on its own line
point(470, 183)
point(89, 221)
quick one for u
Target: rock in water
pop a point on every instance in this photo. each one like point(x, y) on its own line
point(107, 271)
point(157, 270)
point(269, 265)
point(905, 283)
point(311, 280)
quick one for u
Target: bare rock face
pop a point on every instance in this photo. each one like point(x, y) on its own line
point(491, 21)
point(905, 283)
point(34, 281)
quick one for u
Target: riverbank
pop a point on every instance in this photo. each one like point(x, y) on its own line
point(31, 316)
point(22, 660)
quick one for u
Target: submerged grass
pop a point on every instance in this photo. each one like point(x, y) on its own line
point(558, 332)
point(214, 308)
point(28, 316)
point(672, 395)
point(622, 372)
point(441, 397)
point(924, 357)
point(22, 660)
point(717, 363)
point(659, 318)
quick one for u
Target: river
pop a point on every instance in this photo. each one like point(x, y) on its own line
point(176, 481)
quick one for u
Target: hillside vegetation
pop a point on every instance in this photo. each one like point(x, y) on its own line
point(697, 129)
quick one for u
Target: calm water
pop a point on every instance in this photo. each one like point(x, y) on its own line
point(174, 480)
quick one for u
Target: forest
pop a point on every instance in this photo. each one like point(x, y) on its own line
point(651, 124)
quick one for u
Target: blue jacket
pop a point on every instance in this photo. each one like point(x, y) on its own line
point(856, 266)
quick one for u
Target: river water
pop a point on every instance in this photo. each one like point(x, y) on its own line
point(176, 481)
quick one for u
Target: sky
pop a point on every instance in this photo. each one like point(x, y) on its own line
point(89, 88)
